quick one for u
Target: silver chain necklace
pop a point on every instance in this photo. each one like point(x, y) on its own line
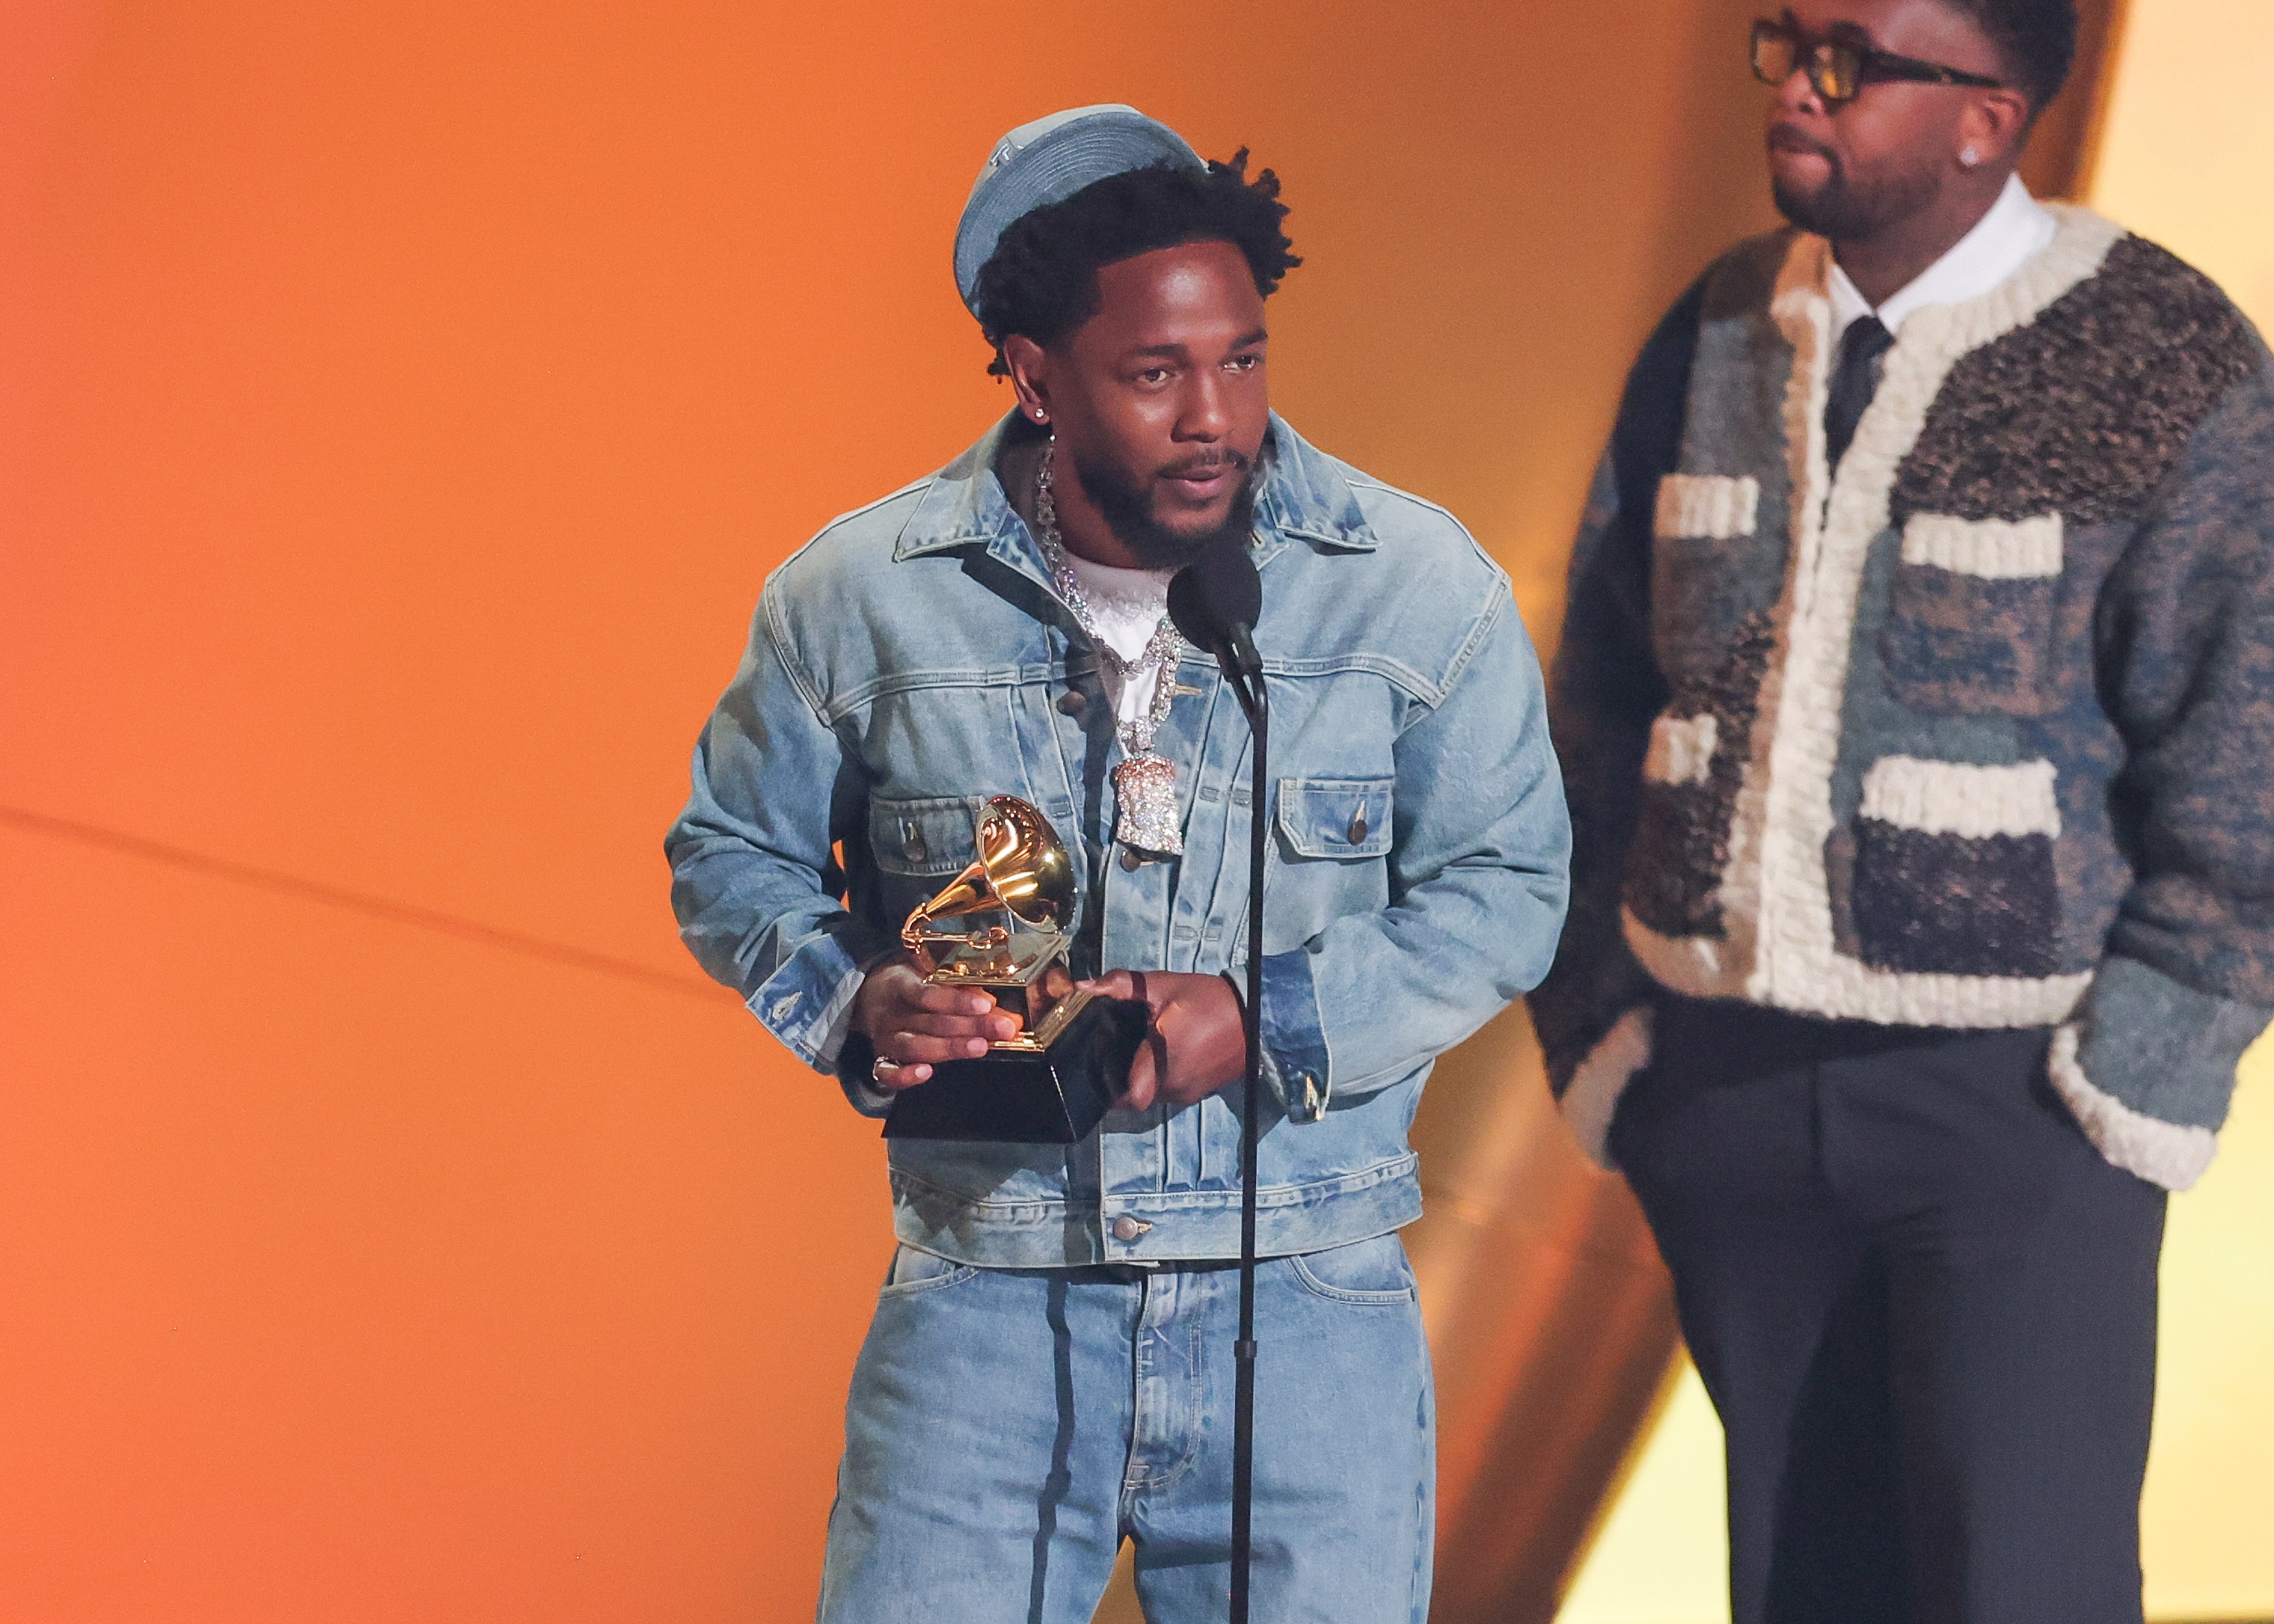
point(1144, 784)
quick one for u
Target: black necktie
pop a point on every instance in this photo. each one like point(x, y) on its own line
point(1853, 382)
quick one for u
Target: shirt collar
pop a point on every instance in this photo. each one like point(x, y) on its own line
point(2014, 231)
point(1305, 496)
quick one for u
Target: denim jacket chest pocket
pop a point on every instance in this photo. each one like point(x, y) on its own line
point(1338, 819)
point(919, 846)
point(1332, 855)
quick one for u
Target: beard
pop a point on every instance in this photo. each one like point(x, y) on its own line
point(1127, 509)
point(1845, 211)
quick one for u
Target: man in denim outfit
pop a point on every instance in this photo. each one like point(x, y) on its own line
point(1050, 1370)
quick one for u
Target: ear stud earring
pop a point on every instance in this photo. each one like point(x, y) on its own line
point(1969, 157)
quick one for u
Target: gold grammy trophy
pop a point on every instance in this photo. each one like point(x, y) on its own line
point(1002, 926)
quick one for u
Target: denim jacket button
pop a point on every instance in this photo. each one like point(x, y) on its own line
point(1357, 830)
point(1126, 1229)
point(1074, 702)
point(1130, 861)
point(914, 846)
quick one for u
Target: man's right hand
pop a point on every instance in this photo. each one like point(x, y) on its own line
point(913, 1025)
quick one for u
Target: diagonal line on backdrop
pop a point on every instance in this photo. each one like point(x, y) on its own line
point(356, 902)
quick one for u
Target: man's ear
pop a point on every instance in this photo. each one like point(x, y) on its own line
point(1030, 366)
point(1994, 123)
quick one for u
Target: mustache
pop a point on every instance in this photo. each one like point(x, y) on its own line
point(1792, 138)
point(1208, 462)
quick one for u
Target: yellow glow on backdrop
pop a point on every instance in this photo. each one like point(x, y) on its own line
point(2187, 159)
point(2188, 154)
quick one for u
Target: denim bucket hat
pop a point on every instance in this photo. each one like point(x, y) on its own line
point(1048, 161)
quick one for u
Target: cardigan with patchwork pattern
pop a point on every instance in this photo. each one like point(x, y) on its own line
point(1976, 731)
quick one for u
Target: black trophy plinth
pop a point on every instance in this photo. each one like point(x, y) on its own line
point(1051, 1098)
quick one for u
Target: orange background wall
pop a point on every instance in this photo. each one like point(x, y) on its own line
point(400, 406)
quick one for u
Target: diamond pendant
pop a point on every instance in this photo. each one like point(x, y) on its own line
point(1145, 793)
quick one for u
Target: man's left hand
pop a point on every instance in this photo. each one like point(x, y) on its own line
point(1197, 1043)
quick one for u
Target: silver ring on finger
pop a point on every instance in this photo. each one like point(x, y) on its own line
point(879, 1066)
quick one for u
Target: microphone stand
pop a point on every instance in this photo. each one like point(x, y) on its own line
point(1215, 602)
point(1245, 673)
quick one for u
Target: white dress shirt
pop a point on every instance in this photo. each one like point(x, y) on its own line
point(2014, 231)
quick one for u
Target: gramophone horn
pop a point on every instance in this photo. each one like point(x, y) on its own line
point(1022, 866)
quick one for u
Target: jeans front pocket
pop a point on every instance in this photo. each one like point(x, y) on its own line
point(1970, 617)
point(1372, 1274)
point(914, 1272)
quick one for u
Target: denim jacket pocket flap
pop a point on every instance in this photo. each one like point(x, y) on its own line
point(1335, 817)
point(924, 837)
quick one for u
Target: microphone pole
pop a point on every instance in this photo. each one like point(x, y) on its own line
point(1214, 602)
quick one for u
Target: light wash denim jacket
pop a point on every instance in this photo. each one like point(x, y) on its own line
point(911, 660)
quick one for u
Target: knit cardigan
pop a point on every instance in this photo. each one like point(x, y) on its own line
point(1977, 733)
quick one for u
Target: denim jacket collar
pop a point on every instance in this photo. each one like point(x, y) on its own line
point(1305, 496)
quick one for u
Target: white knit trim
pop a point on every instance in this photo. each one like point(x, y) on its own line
point(1706, 506)
point(1708, 967)
point(1680, 749)
point(1775, 896)
point(1602, 1077)
point(1723, 968)
point(2170, 1153)
point(1995, 549)
point(1954, 798)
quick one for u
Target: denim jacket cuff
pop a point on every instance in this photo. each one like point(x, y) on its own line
point(808, 1003)
point(1294, 1043)
point(849, 1055)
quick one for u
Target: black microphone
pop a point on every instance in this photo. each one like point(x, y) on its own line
point(1215, 602)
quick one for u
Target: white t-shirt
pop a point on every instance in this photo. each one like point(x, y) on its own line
point(1127, 607)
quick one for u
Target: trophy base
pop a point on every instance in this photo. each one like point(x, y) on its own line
point(1054, 1097)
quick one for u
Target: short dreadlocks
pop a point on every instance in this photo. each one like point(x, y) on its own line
point(1042, 280)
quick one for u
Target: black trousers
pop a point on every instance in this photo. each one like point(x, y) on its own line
point(1923, 1305)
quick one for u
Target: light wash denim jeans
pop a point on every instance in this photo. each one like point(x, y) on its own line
point(1009, 1428)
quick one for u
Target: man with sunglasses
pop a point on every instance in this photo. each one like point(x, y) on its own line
point(1916, 699)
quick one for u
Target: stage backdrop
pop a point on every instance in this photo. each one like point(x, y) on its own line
point(403, 405)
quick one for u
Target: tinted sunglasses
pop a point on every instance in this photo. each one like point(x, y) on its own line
point(1839, 68)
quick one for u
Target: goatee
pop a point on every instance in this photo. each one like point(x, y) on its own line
point(1847, 214)
point(1127, 510)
